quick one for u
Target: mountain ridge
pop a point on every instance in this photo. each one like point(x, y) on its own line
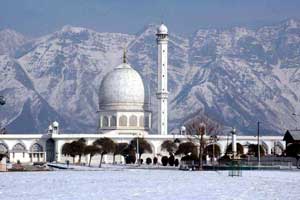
point(236, 75)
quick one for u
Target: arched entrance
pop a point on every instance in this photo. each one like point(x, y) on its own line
point(36, 153)
point(19, 152)
point(212, 150)
point(3, 151)
point(50, 150)
point(239, 149)
point(253, 150)
point(277, 149)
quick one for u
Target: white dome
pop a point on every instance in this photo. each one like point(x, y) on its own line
point(55, 124)
point(162, 29)
point(123, 89)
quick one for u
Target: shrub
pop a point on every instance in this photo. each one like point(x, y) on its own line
point(192, 157)
point(164, 160)
point(130, 159)
point(176, 162)
point(244, 156)
point(171, 160)
point(148, 161)
point(155, 160)
point(224, 159)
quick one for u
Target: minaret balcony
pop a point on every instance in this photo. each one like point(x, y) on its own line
point(162, 95)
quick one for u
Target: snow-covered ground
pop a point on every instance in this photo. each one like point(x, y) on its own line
point(149, 184)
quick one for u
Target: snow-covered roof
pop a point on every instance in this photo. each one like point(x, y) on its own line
point(295, 134)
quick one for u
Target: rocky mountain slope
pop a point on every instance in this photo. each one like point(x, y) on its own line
point(236, 76)
point(10, 41)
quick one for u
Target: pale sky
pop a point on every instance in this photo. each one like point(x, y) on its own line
point(37, 17)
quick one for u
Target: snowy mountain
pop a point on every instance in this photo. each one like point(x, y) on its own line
point(24, 106)
point(236, 76)
point(10, 41)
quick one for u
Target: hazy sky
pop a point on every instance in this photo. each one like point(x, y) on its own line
point(37, 17)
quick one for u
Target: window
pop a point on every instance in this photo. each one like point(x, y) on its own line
point(19, 148)
point(142, 121)
point(105, 121)
point(36, 148)
point(133, 120)
point(147, 121)
point(123, 120)
point(3, 149)
point(113, 121)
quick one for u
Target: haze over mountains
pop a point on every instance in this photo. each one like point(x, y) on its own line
point(236, 76)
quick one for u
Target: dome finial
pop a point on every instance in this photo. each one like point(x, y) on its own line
point(124, 56)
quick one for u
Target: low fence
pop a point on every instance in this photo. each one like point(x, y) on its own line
point(288, 164)
point(277, 162)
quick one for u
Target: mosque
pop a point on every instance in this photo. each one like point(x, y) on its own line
point(124, 113)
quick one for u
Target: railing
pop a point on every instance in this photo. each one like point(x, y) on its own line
point(277, 162)
point(288, 164)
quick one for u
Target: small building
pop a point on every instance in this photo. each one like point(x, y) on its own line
point(292, 142)
point(292, 136)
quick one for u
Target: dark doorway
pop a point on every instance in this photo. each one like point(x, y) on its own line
point(50, 150)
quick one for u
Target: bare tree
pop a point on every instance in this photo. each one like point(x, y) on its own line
point(120, 150)
point(80, 146)
point(186, 148)
point(67, 150)
point(105, 146)
point(170, 146)
point(91, 150)
point(144, 147)
point(196, 130)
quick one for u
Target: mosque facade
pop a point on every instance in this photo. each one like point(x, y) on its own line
point(124, 114)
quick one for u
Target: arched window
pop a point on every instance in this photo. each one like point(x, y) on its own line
point(142, 121)
point(123, 120)
point(3, 149)
point(105, 121)
point(36, 148)
point(147, 121)
point(113, 121)
point(133, 120)
point(19, 148)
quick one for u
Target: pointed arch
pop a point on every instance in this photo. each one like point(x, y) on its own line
point(105, 121)
point(123, 120)
point(3, 148)
point(212, 150)
point(133, 120)
point(113, 121)
point(36, 147)
point(19, 148)
point(239, 148)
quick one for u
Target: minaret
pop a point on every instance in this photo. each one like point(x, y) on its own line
point(162, 79)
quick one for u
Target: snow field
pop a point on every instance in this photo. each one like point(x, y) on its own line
point(149, 184)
